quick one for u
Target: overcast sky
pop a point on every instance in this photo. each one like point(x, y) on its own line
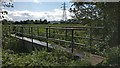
point(38, 9)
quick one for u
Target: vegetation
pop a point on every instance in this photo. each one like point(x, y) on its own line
point(105, 51)
point(92, 14)
point(4, 3)
point(104, 14)
point(99, 14)
point(14, 56)
point(40, 58)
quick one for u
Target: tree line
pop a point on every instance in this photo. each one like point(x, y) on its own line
point(26, 22)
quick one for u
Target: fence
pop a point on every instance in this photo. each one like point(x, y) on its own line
point(68, 35)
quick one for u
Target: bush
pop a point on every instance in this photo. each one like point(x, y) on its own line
point(40, 58)
point(112, 57)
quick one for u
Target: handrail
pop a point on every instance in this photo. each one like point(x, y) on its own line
point(48, 33)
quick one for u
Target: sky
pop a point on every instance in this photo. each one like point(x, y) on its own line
point(38, 9)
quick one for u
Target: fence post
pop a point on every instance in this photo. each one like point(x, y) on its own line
point(15, 31)
point(32, 34)
point(16, 34)
point(38, 30)
point(66, 34)
point(54, 33)
point(5, 30)
point(49, 31)
point(9, 30)
point(90, 35)
point(22, 32)
point(22, 35)
point(72, 40)
point(47, 37)
point(29, 30)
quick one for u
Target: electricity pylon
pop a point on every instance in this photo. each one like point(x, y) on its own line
point(64, 16)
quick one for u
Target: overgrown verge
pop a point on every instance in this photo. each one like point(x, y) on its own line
point(41, 58)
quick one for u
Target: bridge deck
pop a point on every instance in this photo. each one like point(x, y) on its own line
point(34, 41)
point(49, 45)
point(94, 59)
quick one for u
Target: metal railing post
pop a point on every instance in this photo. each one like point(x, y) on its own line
point(15, 31)
point(66, 34)
point(15, 34)
point(22, 32)
point(32, 34)
point(38, 30)
point(47, 37)
point(49, 31)
point(9, 30)
point(90, 35)
point(22, 35)
point(54, 33)
point(72, 40)
point(29, 30)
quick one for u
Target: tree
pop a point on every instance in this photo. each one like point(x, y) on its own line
point(110, 20)
point(99, 14)
point(4, 3)
point(4, 21)
point(45, 21)
point(85, 11)
point(109, 12)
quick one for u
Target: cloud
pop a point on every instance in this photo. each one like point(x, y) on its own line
point(42, 0)
point(36, 1)
point(56, 14)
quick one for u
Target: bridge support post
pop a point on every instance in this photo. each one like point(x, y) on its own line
point(38, 30)
point(29, 31)
point(66, 34)
point(22, 35)
point(32, 35)
point(49, 31)
point(72, 40)
point(47, 37)
point(15, 34)
point(90, 35)
point(15, 31)
point(22, 32)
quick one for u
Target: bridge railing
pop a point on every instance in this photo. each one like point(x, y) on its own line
point(70, 35)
